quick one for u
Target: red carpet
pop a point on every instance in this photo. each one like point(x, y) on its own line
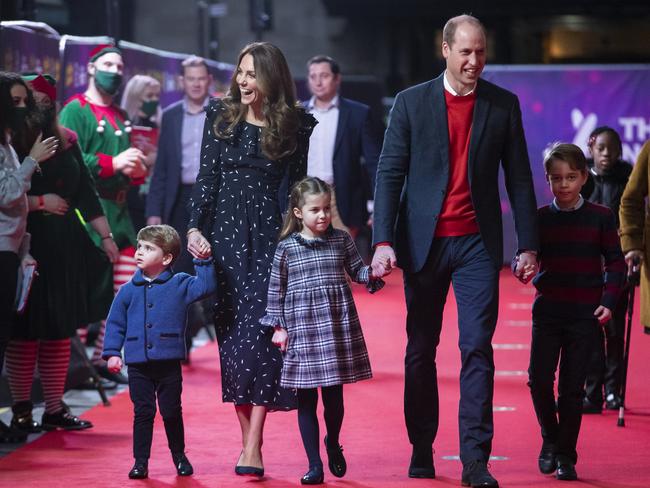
point(373, 433)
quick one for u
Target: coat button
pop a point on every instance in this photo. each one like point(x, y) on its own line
point(150, 286)
point(149, 326)
point(150, 305)
point(149, 346)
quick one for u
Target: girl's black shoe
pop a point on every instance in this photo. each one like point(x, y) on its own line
point(336, 461)
point(22, 420)
point(11, 436)
point(314, 476)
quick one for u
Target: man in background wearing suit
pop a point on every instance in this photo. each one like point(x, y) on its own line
point(343, 150)
point(179, 151)
point(437, 203)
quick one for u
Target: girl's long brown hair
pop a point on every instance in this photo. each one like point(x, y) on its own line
point(307, 186)
point(279, 107)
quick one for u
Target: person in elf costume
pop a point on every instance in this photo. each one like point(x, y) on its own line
point(103, 132)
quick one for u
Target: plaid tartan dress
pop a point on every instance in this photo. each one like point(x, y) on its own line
point(310, 297)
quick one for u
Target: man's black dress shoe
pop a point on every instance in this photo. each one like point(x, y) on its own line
point(336, 461)
point(139, 471)
point(183, 466)
point(249, 471)
point(314, 476)
point(589, 407)
point(476, 475)
point(566, 471)
point(546, 461)
point(422, 463)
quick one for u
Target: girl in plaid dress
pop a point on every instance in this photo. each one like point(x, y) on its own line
point(316, 324)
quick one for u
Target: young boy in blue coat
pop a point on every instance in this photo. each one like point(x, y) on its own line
point(148, 318)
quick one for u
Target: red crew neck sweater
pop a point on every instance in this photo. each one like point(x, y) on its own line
point(457, 216)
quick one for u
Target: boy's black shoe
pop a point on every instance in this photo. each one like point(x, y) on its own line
point(566, 471)
point(183, 466)
point(546, 461)
point(22, 419)
point(612, 401)
point(422, 463)
point(9, 435)
point(140, 470)
point(476, 475)
point(589, 407)
point(314, 476)
point(336, 461)
point(64, 420)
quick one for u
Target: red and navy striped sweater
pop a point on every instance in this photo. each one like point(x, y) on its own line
point(581, 265)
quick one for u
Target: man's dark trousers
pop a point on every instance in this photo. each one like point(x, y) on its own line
point(464, 262)
point(569, 343)
point(162, 379)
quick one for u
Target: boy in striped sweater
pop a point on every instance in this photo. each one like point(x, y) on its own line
point(581, 274)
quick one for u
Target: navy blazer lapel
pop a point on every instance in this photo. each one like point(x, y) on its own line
point(344, 114)
point(438, 114)
point(481, 110)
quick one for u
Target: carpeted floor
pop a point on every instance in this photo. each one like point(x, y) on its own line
point(373, 436)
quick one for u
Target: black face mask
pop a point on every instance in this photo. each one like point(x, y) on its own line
point(18, 117)
point(47, 116)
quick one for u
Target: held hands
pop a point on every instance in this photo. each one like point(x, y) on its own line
point(280, 338)
point(631, 255)
point(383, 261)
point(27, 260)
point(526, 266)
point(603, 314)
point(114, 364)
point(44, 150)
point(197, 245)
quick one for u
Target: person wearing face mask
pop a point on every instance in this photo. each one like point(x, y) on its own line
point(103, 131)
point(608, 175)
point(15, 181)
point(73, 285)
point(141, 102)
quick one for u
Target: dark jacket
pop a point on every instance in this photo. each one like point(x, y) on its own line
point(356, 151)
point(413, 171)
point(607, 189)
point(149, 318)
point(166, 177)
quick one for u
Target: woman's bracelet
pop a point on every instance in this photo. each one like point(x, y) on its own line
point(109, 236)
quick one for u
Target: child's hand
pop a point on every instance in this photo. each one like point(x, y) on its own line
point(526, 267)
point(114, 364)
point(603, 314)
point(280, 338)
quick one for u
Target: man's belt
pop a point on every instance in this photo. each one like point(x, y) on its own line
point(118, 196)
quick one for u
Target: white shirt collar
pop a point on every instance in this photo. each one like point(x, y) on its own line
point(581, 202)
point(334, 103)
point(450, 89)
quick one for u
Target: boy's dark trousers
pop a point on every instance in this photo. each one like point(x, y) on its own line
point(606, 366)
point(162, 379)
point(569, 341)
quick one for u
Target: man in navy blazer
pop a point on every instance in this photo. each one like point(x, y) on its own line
point(343, 148)
point(179, 149)
point(437, 203)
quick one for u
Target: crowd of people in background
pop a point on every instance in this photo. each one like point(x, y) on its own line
point(109, 198)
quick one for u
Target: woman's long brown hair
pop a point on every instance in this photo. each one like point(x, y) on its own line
point(279, 107)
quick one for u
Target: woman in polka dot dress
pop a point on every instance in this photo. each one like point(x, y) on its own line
point(253, 138)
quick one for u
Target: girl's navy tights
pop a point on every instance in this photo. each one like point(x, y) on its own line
point(308, 421)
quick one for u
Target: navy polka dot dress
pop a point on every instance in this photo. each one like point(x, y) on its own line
point(235, 203)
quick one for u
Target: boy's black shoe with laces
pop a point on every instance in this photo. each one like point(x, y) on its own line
point(140, 470)
point(547, 462)
point(476, 475)
point(336, 461)
point(182, 464)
